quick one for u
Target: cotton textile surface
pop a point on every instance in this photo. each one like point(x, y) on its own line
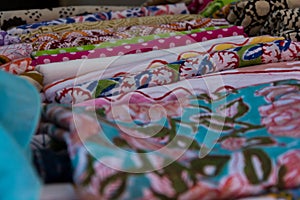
point(150, 20)
point(133, 40)
point(10, 19)
point(238, 78)
point(6, 39)
point(232, 155)
point(85, 37)
point(170, 106)
point(73, 73)
point(285, 22)
point(15, 51)
point(156, 44)
point(215, 6)
point(179, 70)
point(196, 6)
point(100, 16)
point(256, 14)
point(19, 179)
point(161, 2)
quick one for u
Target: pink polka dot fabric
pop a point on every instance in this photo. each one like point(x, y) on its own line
point(159, 43)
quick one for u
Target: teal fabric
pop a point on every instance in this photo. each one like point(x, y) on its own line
point(232, 143)
point(19, 116)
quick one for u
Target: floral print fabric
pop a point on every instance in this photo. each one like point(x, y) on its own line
point(179, 70)
point(133, 12)
point(249, 153)
point(81, 38)
point(16, 58)
point(169, 106)
point(58, 40)
point(162, 43)
point(73, 73)
point(237, 78)
point(6, 39)
point(120, 42)
point(278, 195)
point(148, 20)
point(15, 51)
point(10, 19)
point(17, 66)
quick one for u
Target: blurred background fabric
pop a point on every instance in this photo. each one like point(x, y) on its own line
point(36, 4)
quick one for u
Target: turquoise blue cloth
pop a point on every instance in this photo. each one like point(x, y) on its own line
point(19, 116)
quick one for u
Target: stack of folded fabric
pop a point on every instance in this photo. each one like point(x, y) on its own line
point(195, 99)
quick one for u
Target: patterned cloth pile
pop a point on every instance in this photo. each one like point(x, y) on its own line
point(175, 99)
